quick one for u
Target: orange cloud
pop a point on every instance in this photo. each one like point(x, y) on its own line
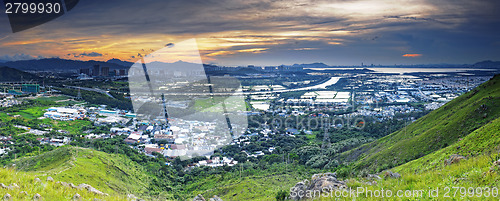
point(412, 55)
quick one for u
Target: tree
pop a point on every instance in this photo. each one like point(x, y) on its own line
point(307, 152)
point(240, 157)
point(318, 161)
point(281, 195)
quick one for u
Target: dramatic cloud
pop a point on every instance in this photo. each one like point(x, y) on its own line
point(235, 32)
point(92, 54)
point(18, 57)
point(81, 55)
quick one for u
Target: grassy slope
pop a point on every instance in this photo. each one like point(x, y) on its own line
point(247, 188)
point(474, 172)
point(48, 190)
point(253, 185)
point(481, 148)
point(110, 173)
point(436, 130)
point(484, 141)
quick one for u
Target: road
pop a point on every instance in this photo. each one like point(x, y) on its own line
point(92, 89)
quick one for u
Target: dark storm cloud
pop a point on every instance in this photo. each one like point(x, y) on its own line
point(415, 18)
point(91, 54)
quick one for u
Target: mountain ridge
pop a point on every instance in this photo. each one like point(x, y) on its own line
point(8, 74)
point(68, 64)
point(59, 64)
point(110, 173)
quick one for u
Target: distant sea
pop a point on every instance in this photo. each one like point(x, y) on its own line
point(408, 70)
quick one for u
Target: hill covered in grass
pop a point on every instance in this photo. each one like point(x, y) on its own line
point(438, 129)
point(118, 176)
point(483, 142)
point(480, 168)
point(18, 185)
point(113, 174)
point(473, 173)
point(249, 184)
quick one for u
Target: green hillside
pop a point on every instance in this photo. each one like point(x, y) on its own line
point(484, 141)
point(27, 188)
point(480, 148)
point(114, 174)
point(468, 174)
point(252, 185)
point(438, 129)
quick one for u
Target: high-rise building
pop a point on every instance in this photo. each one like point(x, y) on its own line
point(30, 88)
point(270, 68)
point(96, 71)
point(113, 73)
point(85, 71)
point(105, 71)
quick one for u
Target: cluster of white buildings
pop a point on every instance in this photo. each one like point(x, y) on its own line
point(181, 138)
point(386, 111)
point(266, 88)
point(322, 97)
point(112, 120)
point(137, 137)
point(65, 114)
point(55, 141)
point(8, 102)
point(99, 116)
point(254, 155)
point(217, 162)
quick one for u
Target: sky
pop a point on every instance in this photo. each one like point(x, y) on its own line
point(274, 32)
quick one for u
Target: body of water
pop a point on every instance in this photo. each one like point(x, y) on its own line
point(409, 70)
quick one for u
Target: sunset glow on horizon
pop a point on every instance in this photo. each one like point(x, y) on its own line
point(412, 55)
point(267, 33)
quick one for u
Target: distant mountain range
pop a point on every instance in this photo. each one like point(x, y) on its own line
point(63, 64)
point(72, 65)
point(312, 65)
point(487, 64)
point(482, 64)
point(120, 62)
